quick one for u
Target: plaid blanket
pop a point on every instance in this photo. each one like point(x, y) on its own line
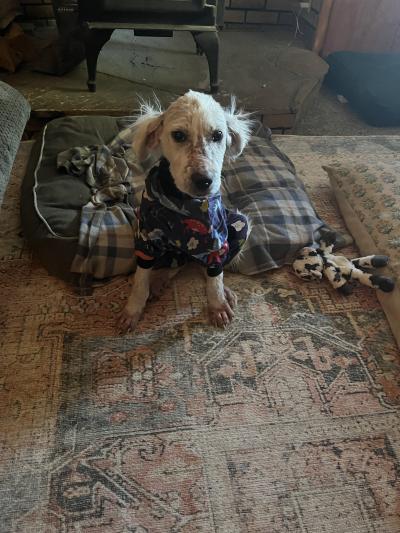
point(110, 170)
point(262, 184)
point(106, 235)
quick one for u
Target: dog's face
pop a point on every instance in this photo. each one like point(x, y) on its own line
point(193, 140)
point(193, 134)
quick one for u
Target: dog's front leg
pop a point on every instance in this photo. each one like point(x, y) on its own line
point(221, 301)
point(137, 299)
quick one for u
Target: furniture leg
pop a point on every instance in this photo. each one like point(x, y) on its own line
point(208, 41)
point(95, 39)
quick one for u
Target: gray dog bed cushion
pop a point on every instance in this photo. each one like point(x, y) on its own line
point(262, 183)
point(52, 200)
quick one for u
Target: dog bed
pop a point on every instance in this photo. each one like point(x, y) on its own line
point(262, 183)
point(371, 83)
point(52, 200)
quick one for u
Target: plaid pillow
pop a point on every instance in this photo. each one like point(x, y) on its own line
point(263, 185)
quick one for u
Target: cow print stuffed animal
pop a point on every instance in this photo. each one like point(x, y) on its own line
point(314, 263)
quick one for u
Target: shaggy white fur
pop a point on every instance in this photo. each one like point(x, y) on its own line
point(200, 120)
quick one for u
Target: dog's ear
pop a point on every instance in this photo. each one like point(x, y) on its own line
point(239, 130)
point(147, 130)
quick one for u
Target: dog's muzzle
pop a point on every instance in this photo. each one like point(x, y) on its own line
point(201, 182)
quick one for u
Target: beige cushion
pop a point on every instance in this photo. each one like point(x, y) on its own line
point(369, 199)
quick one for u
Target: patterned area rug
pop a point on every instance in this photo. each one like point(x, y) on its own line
point(288, 421)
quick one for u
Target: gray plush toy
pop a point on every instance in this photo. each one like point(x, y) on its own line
point(314, 263)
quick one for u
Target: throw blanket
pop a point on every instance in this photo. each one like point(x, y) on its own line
point(109, 169)
point(106, 236)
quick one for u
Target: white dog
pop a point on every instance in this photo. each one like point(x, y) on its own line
point(181, 214)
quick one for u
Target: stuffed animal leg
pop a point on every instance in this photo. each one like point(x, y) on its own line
point(375, 281)
point(371, 261)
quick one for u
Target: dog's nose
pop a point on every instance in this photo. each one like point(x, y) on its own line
point(202, 182)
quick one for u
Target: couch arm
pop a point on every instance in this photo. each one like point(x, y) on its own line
point(14, 114)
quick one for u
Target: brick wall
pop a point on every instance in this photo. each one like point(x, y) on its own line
point(252, 14)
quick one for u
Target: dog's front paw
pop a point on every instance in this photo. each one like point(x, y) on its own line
point(128, 320)
point(221, 314)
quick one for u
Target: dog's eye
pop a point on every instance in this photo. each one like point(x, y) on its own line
point(179, 136)
point(217, 136)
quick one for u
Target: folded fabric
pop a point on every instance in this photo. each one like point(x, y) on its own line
point(106, 234)
point(106, 241)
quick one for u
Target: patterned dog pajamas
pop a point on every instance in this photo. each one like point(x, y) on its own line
point(175, 228)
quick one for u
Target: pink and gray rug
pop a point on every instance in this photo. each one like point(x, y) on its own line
point(288, 421)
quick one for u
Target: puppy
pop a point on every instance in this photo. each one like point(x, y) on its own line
point(181, 216)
